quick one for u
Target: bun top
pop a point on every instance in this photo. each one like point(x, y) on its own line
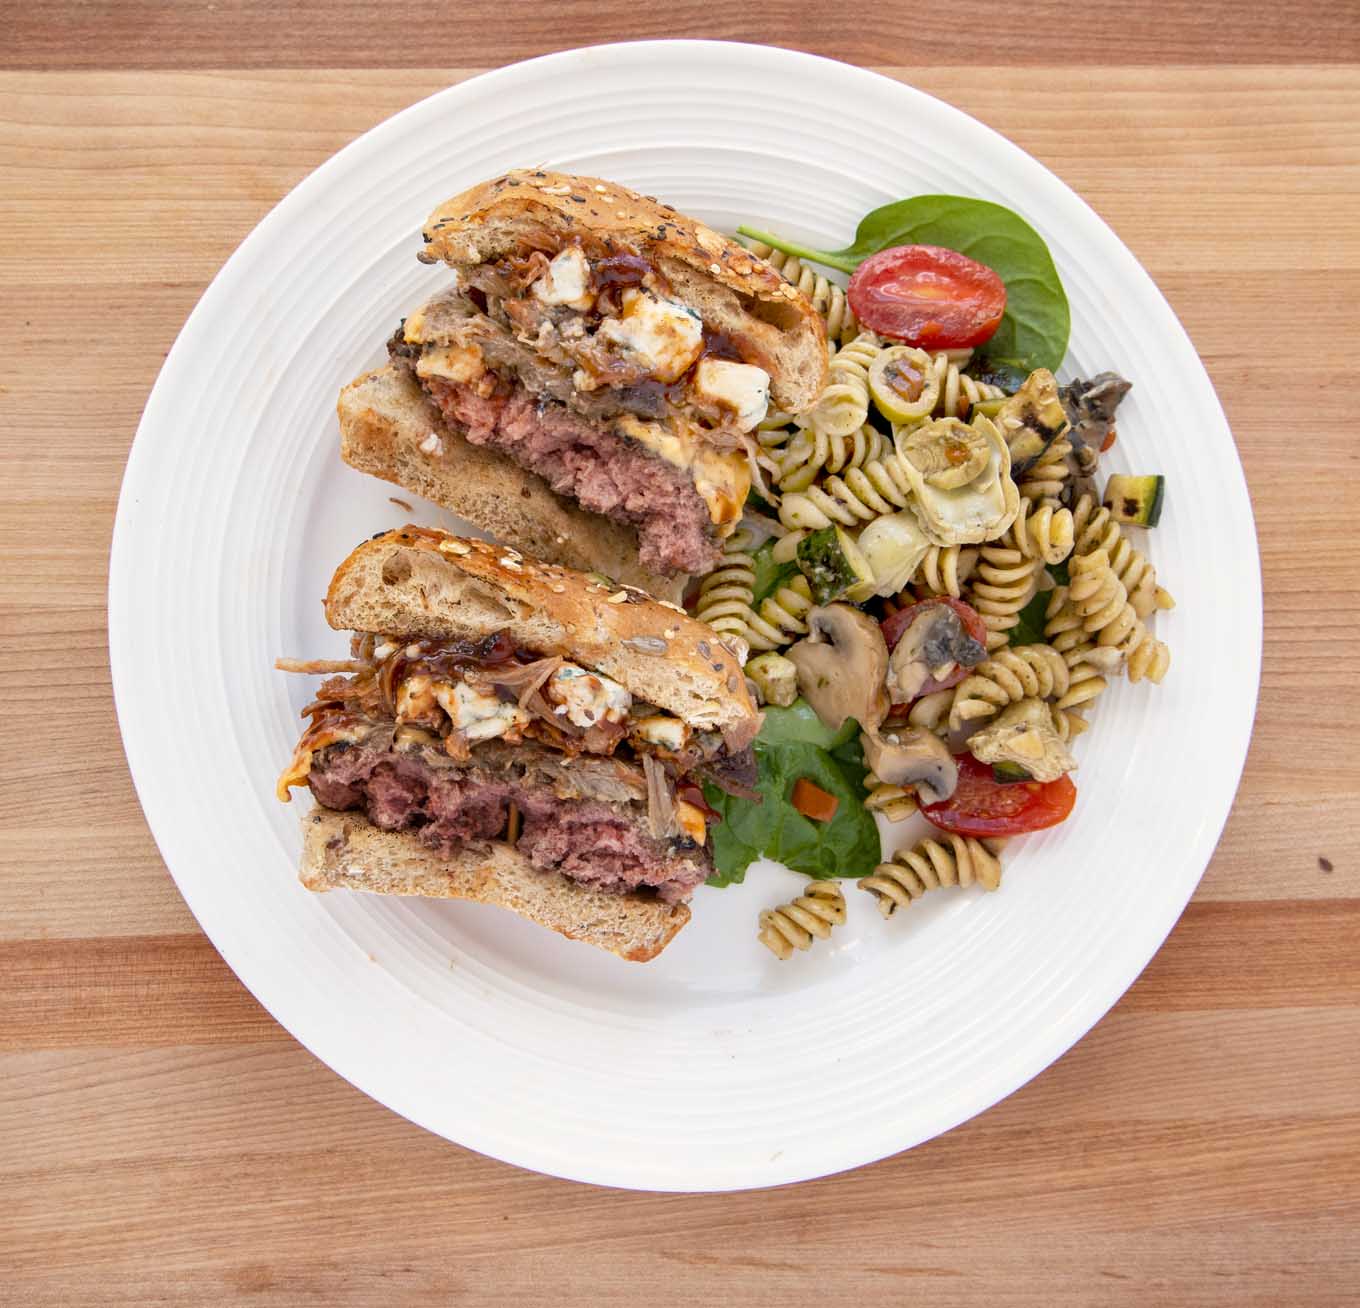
point(420, 582)
point(772, 323)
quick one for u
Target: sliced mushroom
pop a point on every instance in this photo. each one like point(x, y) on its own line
point(912, 756)
point(930, 647)
point(842, 665)
point(1090, 405)
point(1023, 734)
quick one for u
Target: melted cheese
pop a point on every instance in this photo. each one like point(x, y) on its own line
point(722, 478)
point(741, 387)
point(413, 329)
point(416, 702)
point(567, 281)
point(665, 336)
point(475, 714)
point(316, 737)
point(455, 363)
point(691, 821)
point(664, 730)
point(586, 698)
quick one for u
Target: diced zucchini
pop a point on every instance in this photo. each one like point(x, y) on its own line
point(987, 408)
point(1135, 500)
point(1042, 419)
point(1006, 774)
point(775, 677)
point(835, 567)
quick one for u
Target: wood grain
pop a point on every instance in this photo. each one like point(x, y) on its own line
point(360, 34)
point(163, 1141)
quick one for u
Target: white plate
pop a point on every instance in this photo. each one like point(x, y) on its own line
point(715, 1067)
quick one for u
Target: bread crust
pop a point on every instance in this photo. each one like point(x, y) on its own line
point(344, 851)
point(731, 288)
point(386, 420)
point(417, 581)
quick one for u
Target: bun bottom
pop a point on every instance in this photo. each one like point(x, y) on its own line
point(386, 425)
point(344, 851)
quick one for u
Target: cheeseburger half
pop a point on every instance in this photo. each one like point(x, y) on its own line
point(521, 734)
point(587, 384)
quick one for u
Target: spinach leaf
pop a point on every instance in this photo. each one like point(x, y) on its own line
point(793, 743)
point(1029, 625)
point(1033, 333)
point(1029, 628)
point(755, 500)
point(770, 576)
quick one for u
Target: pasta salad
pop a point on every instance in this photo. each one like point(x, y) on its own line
point(933, 582)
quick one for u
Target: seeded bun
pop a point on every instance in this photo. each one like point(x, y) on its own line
point(344, 851)
point(772, 323)
point(418, 582)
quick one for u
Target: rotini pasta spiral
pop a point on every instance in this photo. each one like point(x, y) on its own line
point(826, 297)
point(1043, 481)
point(1149, 658)
point(1000, 587)
point(1045, 532)
point(880, 486)
point(1097, 599)
point(724, 601)
point(1010, 675)
point(1086, 664)
point(844, 405)
point(894, 802)
point(1067, 724)
point(781, 617)
point(945, 569)
point(958, 392)
point(863, 494)
point(775, 429)
point(794, 925)
point(930, 865)
point(931, 711)
point(1095, 529)
point(1086, 683)
point(804, 458)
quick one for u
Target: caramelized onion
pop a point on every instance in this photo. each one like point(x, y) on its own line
point(522, 679)
point(660, 805)
point(751, 447)
point(316, 667)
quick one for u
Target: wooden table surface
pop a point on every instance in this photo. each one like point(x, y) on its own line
point(162, 1140)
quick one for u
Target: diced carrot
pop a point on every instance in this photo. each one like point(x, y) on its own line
point(814, 802)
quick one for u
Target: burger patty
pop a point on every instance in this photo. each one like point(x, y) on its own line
point(599, 844)
point(603, 471)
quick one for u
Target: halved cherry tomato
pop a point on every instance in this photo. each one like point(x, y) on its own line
point(927, 296)
point(983, 806)
point(896, 623)
point(812, 801)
